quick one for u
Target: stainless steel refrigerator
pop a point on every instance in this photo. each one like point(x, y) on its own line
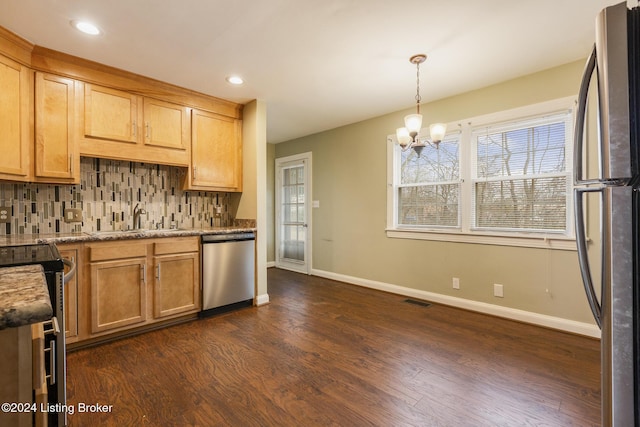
point(612, 75)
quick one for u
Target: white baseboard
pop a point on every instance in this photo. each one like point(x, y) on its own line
point(262, 299)
point(271, 264)
point(572, 326)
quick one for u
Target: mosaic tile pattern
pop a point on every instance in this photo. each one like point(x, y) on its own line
point(107, 195)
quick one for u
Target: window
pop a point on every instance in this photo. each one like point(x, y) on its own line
point(504, 177)
point(520, 175)
point(429, 188)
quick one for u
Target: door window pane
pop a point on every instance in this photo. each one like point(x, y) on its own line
point(293, 233)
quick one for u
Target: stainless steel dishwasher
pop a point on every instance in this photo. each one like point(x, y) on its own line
point(228, 272)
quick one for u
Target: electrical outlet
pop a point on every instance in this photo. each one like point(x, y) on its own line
point(72, 215)
point(498, 290)
point(5, 215)
point(456, 283)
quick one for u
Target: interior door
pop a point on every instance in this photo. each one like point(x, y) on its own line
point(293, 243)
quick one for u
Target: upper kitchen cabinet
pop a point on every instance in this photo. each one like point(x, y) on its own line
point(110, 114)
point(15, 120)
point(166, 125)
point(55, 154)
point(122, 125)
point(55, 108)
point(216, 153)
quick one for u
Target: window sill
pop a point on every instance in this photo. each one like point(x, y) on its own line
point(543, 242)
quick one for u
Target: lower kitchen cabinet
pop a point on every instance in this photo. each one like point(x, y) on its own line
point(118, 294)
point(176, 277)
point(118, 285)
point(136, 284)
point(71, 252)
point(22, 375)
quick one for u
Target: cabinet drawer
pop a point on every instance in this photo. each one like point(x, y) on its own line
point(121, 251)
point(176, 246)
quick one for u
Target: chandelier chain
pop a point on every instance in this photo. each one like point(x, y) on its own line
point(418, 98)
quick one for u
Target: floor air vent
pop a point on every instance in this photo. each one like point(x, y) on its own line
point(417, 302)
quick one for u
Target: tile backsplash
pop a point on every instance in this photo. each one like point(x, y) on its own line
point(107, 195)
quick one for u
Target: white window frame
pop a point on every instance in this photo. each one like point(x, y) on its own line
point(465, 233)
point(397, 162)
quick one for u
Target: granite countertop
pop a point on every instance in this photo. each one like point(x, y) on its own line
point(24, 297)
point(97, 236)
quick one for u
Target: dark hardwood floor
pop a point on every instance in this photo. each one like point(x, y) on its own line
point(328, 353)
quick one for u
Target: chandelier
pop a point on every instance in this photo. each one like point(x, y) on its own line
point(408, 137)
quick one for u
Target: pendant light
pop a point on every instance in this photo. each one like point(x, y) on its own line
point(409, 136)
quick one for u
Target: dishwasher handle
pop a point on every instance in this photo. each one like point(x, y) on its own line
point(222, 238)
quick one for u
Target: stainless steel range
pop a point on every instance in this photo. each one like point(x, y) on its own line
point(48, 256)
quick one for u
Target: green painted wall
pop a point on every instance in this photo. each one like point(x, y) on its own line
point(349, 181)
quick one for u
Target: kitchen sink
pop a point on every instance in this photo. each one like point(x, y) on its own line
point(105, 232)
point(148, 231)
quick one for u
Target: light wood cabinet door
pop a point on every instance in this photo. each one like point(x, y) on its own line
point(165, 125)
point(71, 295)
point(16, 373)
point(133, 284)
point(176, 284)
point(15, 134)
point(216, 152)
point(110, 114)
point(114, 124)
point(118, 294)
point(55, 149)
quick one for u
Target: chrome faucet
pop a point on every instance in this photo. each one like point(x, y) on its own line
point(136, 216)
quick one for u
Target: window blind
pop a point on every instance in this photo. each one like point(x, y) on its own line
point(519, 174)
point(429, 189)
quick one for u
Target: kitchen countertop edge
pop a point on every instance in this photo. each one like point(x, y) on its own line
point(25, 239)
point(24, 296)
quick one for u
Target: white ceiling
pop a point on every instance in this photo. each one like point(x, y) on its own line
point(317, 64)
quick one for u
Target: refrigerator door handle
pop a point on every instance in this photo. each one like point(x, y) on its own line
point(581, 114)
point(581, 241)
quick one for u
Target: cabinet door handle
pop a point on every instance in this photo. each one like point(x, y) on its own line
point(158, 272)
point(148, 130)
point(144, 273)
point(70, 165)
point(195, 174)
point(134, 129)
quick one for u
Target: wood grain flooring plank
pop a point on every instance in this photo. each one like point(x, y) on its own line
point(325, 353)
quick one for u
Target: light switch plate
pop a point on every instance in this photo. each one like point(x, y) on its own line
point(72, 215)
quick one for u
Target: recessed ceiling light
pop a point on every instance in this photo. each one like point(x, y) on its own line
point(86, 27)
point(235, 80)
